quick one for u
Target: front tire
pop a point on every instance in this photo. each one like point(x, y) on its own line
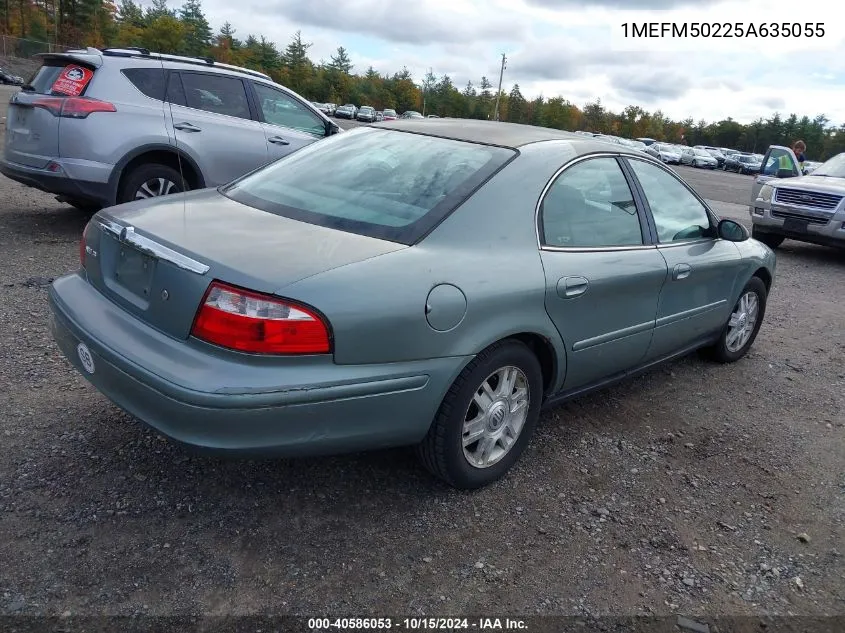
point(486, 419)
point(151, 180)
point(743, 324)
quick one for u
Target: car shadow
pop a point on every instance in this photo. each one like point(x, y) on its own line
point(812, 253)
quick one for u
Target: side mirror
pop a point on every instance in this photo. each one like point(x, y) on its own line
point(785, 173)
point(331, 128)
point(732, 231)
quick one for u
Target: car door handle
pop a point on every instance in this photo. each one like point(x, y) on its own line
point(681, 271)
point(569, 287)
point(187, 127)
point(278, 140)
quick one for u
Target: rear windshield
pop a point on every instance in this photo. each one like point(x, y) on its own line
point(385, 184)
point(59, 77)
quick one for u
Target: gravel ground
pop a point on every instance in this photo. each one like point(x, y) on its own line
point(697, 488)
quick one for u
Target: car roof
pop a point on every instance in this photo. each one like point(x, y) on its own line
point(511, 135)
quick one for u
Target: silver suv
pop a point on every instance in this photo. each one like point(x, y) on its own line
point(788, 205)
point(101, 127)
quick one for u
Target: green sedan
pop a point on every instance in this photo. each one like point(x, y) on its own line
point(437, 287)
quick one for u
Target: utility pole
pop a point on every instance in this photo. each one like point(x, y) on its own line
point(425, 87)
point(499, 91)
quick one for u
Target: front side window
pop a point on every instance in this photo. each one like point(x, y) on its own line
point(590, 205)
point(216, 93)
point(386, 184)
point(281, 109)
point(677, 213)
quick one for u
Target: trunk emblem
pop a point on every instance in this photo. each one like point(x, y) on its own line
point(165, 295)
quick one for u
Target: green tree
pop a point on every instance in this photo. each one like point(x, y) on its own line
point(197, 30)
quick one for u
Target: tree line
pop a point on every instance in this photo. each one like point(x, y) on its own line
point(186, 31)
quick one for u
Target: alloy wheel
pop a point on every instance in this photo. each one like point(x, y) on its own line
point(742, 321)
point(155, 187)
point(495, 417)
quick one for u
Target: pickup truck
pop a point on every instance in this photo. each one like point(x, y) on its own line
point(787, 204)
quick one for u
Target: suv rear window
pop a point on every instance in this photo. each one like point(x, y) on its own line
point(385, 184)
point(149, 81)
point(45, 79)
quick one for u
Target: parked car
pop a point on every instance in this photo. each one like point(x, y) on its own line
point(347, 111)
point(367, 114)
point(325, 108)
point(742, 164)
point(788, 205)
point(810, 166)
point(715, 152)
point(390, 114)
point(432, 116)
point(665, 152)
point(100, 127)
point(695, 157)
point(9, 78)
point(411, 114)
point(388, 321)
point(647, 141)
point(379, 115)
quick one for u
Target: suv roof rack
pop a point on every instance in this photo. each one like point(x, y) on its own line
point(138, 52)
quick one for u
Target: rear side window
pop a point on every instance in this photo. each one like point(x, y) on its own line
point(149, 81)
point(217, 94)
point(58, 77)
point(385, 184)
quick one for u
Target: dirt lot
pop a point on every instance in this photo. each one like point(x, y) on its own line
point(697, 488)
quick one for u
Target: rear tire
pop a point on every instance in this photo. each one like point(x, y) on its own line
point(503, 423)
point(739, 332)
point(151, 180)
point(769, 239)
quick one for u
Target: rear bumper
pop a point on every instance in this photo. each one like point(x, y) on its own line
point(190, 391)
point(58, 183)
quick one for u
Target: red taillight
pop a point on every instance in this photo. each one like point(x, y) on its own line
point(73, 107)
point(261, 324)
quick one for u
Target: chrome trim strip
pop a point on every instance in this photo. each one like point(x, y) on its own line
point(612, 336)
point(127, 235)
point(690, 242)
point(595, 249)
point(678, 316)
point(555, 176)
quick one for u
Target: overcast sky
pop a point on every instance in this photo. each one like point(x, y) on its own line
point(576, 49)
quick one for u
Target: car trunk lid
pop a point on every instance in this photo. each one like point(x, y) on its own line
point(157, 258)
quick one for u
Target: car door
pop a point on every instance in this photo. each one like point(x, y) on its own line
point(211, 119)
point(694, 301)
point(288, 123)
point(770, 167)
point(603, 277)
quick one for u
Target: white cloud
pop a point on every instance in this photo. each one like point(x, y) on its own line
point(575, 49)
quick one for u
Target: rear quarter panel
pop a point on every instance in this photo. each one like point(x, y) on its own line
point(106, 137)
point(487, 248)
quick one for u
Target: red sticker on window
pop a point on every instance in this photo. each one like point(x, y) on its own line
point(72, 81)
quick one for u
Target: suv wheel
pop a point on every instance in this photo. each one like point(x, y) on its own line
point(150, 181)
point(769, 239)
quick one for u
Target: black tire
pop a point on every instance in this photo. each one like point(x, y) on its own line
point(719, 352)
point(769, 239)
point(133, 181)
point(441, 451)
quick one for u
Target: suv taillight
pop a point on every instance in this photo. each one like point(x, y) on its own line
point(73, 107)
point(254, 322)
